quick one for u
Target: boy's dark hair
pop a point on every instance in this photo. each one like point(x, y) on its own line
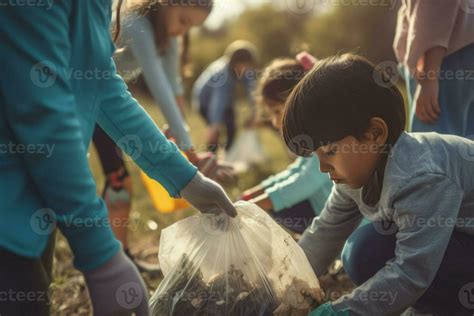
point(337, 98)
point(278, 80)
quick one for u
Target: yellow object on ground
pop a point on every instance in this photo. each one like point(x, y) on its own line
point(162, 202)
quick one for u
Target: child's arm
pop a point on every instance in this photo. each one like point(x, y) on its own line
point(270, 181)
point(263, 201)
point(430, 24)
point(426, 96)
point(127, 123)
point(172, 67)
point(253, 192)
point(322, 242)
point(293, 168)
point(141, 40)
point(299, 186)
point(425, 210)
point(171, 64)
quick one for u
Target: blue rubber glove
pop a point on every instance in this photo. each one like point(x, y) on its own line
point(327, 310)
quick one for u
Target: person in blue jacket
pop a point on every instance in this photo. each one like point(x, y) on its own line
point(58, 81)
point(214, 91)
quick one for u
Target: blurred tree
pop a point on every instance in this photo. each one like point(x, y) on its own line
point(273, 31)
point(363, 27)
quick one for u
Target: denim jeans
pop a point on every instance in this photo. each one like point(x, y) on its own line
point(367, 251)
point(456, 96)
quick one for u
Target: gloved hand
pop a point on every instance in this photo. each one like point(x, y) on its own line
point(225, 173)
point(207, 196)
point(211, 167)
point(327, 310)
point(222, 173)
point(205, 162)
point(116, 288)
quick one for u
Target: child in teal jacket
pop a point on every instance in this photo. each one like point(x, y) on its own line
point(57, 81)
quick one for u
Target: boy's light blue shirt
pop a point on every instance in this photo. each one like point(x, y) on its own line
point(428, 191)
point(57, 80)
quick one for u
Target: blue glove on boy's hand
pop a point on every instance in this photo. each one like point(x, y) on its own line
point(327, 310)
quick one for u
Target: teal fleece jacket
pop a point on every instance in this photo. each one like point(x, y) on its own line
point(57, 80)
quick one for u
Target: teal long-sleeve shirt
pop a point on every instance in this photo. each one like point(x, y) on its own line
point(57, 81)
point(301, 181)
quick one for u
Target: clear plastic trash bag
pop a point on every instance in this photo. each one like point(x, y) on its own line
point(243, 266)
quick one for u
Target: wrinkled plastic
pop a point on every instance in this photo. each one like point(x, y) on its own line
point(243, 266)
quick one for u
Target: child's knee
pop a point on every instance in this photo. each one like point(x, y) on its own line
point(353, 258)
point(365, 252)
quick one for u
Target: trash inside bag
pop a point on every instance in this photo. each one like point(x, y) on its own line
point(243, 266)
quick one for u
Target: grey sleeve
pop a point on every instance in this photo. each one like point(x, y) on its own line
point(143, 47)
point(425, 211)
point(322, 242)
